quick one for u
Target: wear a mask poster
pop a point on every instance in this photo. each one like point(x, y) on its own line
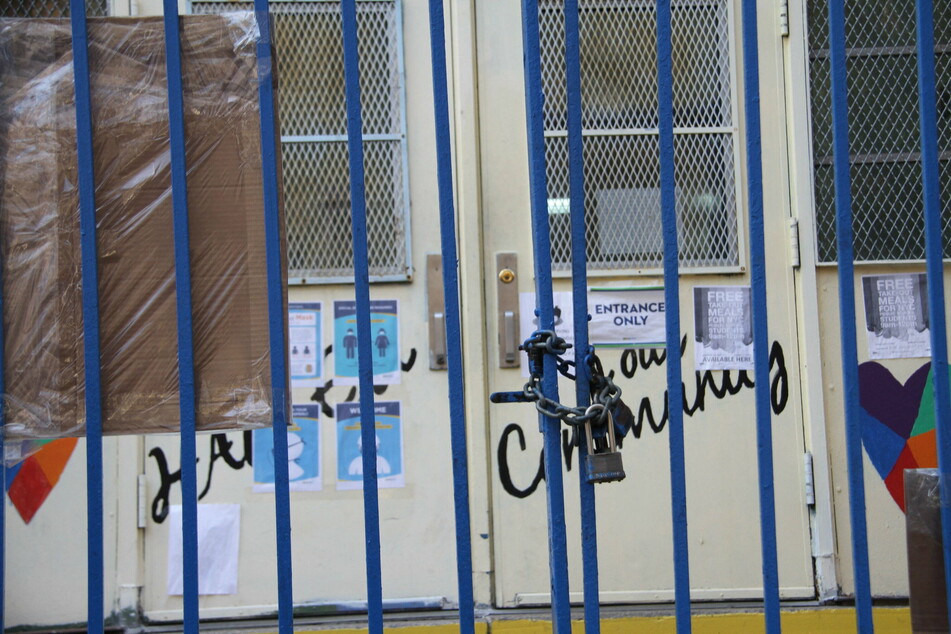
point(388, 439)
point(303, 452)
point(384, 342)
point(304, 344)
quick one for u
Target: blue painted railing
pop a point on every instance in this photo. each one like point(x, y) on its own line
point(450, 273)
point(541, 240)
point(557, 542)
point(90, 299)
point(579, 298)
point(931, 186)
point(675, 392)
point(850, 363)
point(183, 285)
point(764, 432)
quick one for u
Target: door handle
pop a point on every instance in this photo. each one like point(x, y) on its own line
point(436, 312)
point(507, 294)
point(509, 339)
point(439, 339)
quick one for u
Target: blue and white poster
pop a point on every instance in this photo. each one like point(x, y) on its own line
point(303, 452)
point(389, 446)
point(384, 342)
point(304, 344)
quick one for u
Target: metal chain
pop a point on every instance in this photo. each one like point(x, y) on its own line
point(603, 389)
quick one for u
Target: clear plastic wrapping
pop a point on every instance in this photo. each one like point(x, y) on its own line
point(926, 580)
point(40, 238)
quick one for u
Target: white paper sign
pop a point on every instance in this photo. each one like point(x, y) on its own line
point(723, 328)
point(896, 316)
point(218, 533)
point(627, 317)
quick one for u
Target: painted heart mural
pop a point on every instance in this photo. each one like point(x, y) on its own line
point(898, 423)
point(30, 482)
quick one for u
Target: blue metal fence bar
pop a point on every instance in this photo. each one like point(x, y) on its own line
point(183, 294)
point(764, 432)
point(277, 317)
point(371, 505)
point(931, 185)
point(579, 283)
point(850, 364)
point(550, 427)
point(90, 299)
point(450, 280)
point(675, 392)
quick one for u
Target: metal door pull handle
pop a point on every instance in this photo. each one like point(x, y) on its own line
point(439, 345)
point(509, 343)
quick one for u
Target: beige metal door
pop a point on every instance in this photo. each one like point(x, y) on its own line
point(634, 516)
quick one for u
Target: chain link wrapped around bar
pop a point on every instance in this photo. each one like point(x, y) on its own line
point(603, 389)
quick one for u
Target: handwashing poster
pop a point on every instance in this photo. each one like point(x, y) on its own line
point(384, 342)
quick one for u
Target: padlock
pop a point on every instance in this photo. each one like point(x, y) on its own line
point(606, 465)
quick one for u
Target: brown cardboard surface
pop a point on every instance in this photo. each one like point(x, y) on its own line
point(42, 312)
point(926, 583)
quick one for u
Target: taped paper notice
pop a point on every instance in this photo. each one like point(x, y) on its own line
point(627, 317)
point(723, 328)
point(896, 316)
point(218, 534)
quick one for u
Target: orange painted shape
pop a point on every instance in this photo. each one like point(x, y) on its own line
point(895, 482)
point(924, 447)
point(52, 458)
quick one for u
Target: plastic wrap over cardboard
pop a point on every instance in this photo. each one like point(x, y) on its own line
point(927, 599)
point(39, 227)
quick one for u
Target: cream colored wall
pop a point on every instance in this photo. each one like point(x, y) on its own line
point(45, 568)
point(886, 521)
point(818, 320)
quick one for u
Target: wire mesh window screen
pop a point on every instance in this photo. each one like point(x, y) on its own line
point(620, 118)
point(313, 118)
point(884, 138)
point(47, 8)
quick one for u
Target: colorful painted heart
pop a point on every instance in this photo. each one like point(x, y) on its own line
point(898, 423)
point(30, 482)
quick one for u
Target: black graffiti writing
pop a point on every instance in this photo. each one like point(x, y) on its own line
point(505, 475)
point(166, 480)
point(320, 394)
point(219, 449)
point(721, 386)
point(567, 451)
point(707, 382)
